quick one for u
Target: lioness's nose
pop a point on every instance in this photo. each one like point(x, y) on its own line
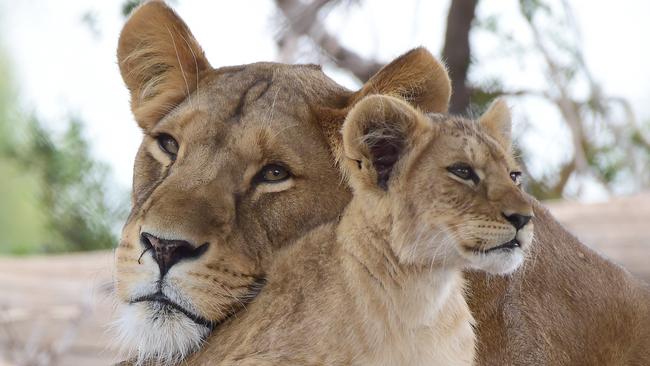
point(169, 252)
point(517, 220)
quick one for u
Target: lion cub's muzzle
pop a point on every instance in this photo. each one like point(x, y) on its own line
point(166, 252)
point(519, 221)
point(507, 248)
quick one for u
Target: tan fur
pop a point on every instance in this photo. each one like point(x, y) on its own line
point(384, 286)
point(566, 307)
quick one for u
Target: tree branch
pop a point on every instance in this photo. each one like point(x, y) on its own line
point(563, 178)
point(302, 20)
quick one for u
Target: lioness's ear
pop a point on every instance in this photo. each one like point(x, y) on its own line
point(416, 77)
point(376, 133)
point(498, 123)
point(160, 61)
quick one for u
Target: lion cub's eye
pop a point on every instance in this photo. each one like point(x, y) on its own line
point(516, 177)
point(464, 172)
point(168, 145)
point(272, 173)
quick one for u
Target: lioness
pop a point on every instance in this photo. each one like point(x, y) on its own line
point(237, 162)
point(383, 285)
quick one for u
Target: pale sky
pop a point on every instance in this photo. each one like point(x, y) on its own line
point(61, 68)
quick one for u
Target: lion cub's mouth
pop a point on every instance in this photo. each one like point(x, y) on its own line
point(165, 304)
point(510, 245)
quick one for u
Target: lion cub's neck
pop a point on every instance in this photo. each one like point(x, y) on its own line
point(420, 312)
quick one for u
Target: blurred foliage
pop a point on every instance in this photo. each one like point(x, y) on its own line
point(129, 5)
point(529, 8)
point(21, 223)
point(73, 187)
point(56, 196)
point(609, 147)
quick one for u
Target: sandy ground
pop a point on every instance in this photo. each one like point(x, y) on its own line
point(55, 310)
point(55, 306)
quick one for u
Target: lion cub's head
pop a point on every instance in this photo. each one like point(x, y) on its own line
point(452, 184)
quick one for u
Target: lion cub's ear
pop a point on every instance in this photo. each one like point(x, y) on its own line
point(416, 77)
point(160, 61)
point(376, 134)
point(497, 121)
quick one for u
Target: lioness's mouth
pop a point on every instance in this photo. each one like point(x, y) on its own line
point(160, 298)
point(511, 245)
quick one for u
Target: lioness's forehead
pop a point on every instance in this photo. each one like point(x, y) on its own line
point(256, 94)
point(230, 95)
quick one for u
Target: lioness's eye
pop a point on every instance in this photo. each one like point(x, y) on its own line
point(463, 171)
point(272, 173)
point(516, 177)
point(168, 144)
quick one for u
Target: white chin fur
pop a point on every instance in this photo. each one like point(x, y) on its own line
point(502, 262)
point(167, 338)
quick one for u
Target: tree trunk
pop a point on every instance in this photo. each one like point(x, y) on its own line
point(456, 51)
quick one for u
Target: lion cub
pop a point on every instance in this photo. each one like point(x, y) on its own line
point(433, 194)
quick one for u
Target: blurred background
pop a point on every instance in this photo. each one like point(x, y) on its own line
point(574, 72)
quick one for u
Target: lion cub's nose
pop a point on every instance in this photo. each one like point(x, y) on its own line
point(517, 220)
point(169, 252)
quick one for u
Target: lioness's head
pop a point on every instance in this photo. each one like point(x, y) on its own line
point(451, 185)
point(235, 162)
